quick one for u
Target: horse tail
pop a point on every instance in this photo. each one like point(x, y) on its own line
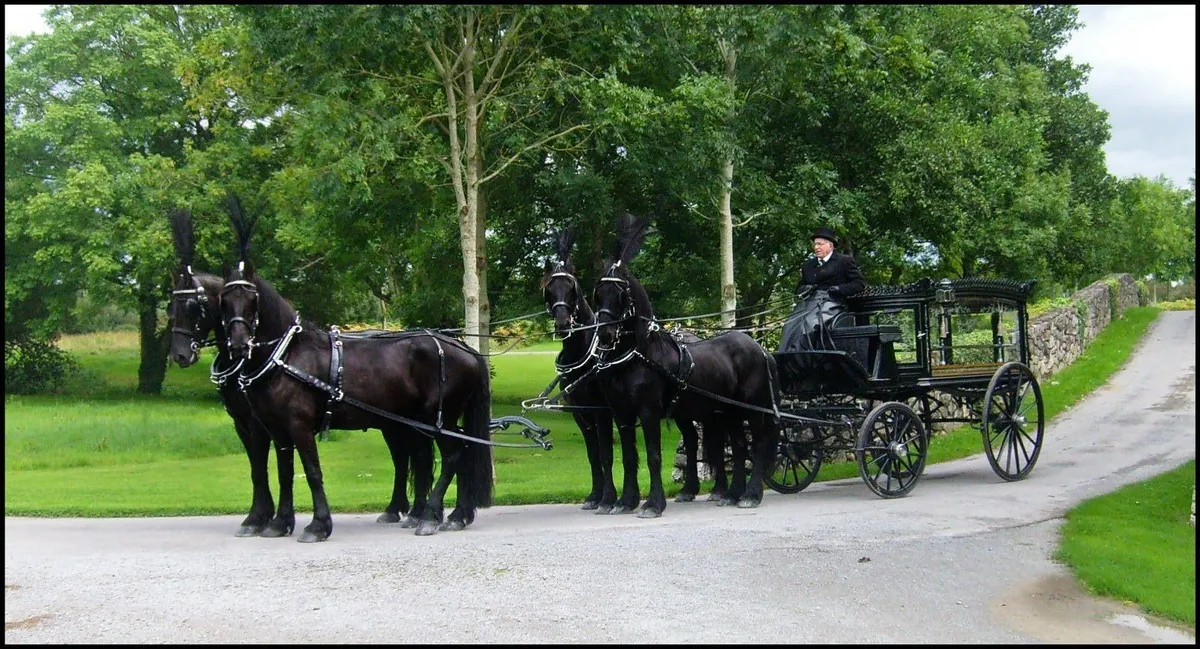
point(477, 480)
point(774, 425)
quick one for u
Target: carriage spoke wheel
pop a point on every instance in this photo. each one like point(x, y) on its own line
point(797, 461)
point(892, 448)
point(1013, 421)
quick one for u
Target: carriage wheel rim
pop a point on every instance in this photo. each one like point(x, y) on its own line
point(1012, 438)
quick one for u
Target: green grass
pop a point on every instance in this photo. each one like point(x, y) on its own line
point(1136, 544)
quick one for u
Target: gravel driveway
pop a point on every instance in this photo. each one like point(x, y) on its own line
point(965, 558)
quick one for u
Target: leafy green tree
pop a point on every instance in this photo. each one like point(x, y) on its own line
point(102, 115)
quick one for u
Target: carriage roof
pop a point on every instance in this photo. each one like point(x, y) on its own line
point(966, 292)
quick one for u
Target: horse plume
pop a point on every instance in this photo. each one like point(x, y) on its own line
point(242, 226)
point(184, 236)
point(564, 240)
point(631, 234)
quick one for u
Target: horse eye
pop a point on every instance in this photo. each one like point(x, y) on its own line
point(193, 309)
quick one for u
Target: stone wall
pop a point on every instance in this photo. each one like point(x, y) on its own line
point(1056, 338)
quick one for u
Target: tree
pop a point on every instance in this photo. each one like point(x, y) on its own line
point(99, 126)
point(459, 86)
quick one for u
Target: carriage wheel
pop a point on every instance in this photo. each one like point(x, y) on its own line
point(1013, 421)
point(797, 461)
point(892, 447)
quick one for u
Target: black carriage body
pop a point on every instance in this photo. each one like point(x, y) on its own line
point(899, 349)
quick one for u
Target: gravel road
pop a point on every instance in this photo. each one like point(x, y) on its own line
point(965, 558)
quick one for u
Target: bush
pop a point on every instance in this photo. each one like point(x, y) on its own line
point(34, 365)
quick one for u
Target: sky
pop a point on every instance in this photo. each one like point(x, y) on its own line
point(1143, 61)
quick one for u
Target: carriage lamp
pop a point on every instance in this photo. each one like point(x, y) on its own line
point(945, 292)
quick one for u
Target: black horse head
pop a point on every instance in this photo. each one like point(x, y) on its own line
point(620, 301)
point(239, 295)
point(192, 314)
point(560, 287)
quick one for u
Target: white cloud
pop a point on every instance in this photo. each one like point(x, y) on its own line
point(1143, 61)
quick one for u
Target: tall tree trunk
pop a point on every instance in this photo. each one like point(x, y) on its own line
point(728, 288)
point(481, 269)
point(152, 369)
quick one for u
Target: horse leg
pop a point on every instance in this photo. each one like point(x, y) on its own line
point(322, 523)
point(258, 448)
point(630, 492)
point(431, 518)
point(285, 467)
point(691, 476)
point(421, 455)
point(753, 494)
point(398, 505)
point(587, 426)
point(737, 443)
point(604, 461)
point(714, 455)
point(656, 501)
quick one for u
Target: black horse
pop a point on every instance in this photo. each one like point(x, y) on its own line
point(194, 315)
point(574, 323)
point(648, 375)
point(407, 383)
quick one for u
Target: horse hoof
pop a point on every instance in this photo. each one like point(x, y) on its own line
point(276, 530)
point(747, 503)
point(452, 526)
point(684, 498)
point(248, 530)
point(604, 509)
point(589, 505)
point(725, 502)
point(649, 512)
point(409, 522)
point(621, 509)
point(715, 496)
point(311, 537)
point(427, 528)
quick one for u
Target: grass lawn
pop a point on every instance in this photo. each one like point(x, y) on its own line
point(1135, 544)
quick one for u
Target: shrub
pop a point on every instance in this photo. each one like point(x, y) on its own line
point(34, 365)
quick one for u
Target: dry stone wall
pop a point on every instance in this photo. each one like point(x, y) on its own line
point(1056, 338)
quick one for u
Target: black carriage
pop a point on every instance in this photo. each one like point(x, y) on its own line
point(903, 359)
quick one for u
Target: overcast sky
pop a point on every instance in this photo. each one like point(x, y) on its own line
point(1143, 62)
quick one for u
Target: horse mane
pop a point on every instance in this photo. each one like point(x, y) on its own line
point(184, 236)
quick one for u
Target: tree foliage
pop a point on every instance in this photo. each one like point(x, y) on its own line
point(396, 153)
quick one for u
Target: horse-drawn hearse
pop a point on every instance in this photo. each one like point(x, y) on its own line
point(874, 383)
point(907, 358)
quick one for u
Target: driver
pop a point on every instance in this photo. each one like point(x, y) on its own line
point(825, 281)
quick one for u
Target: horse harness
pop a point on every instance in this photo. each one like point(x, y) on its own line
point(686, 362)
point(333, 388)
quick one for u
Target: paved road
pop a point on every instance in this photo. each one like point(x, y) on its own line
point(965, 558)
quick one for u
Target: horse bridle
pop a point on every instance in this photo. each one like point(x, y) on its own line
point(626, 300)
point(201, 297)
point(252, 326)
point(572, 309)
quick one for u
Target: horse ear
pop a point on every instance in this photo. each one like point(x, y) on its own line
point(225, 269)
